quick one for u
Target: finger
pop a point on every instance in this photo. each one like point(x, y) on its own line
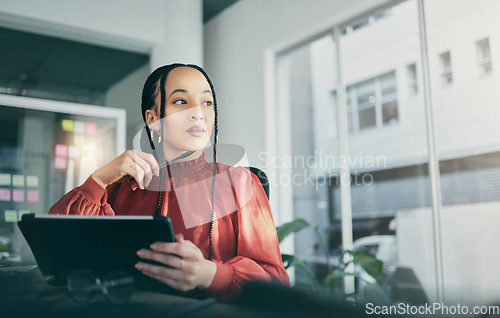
point(144, 165)
point(167, 259)
point(135, 172)
point(162, 271)
point(180, 249)
point(179, 238)
point(151, 160)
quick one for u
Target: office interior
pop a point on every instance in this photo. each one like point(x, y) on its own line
point(376, 121)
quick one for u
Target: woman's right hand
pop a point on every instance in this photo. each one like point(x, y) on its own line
point(139, 165)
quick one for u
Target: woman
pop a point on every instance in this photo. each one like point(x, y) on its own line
point(225, 230)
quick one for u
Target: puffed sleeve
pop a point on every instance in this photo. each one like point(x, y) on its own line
point(88, 199)
point(258, 253)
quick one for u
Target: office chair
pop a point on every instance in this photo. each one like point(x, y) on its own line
point(262, 177)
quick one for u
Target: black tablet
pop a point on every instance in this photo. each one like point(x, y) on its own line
point(100, 244)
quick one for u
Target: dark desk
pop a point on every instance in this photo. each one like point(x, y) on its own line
point(24, 293)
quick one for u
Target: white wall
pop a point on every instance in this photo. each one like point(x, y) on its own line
point(126, 94)
point(136, 25)
point(235, 43)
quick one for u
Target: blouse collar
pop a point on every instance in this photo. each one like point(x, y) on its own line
point(189, 168)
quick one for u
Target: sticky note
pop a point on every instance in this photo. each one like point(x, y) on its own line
point(79, 127)
point(4, 179)
point(79, 140)
point(18, 195)
point(4, 194)
point(33, 196)
point(10, 215)
point(73, 152)
point(60, 163)
point(18, 180)
point(32, 181)
point(90, 128)
point(61, 151)
point(20, 213)
point(67, 125)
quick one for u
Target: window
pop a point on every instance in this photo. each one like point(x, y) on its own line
point(390, 186)
point(411, 71)
point(372, 103)
point(446, 72)
point(484, 56)
point(367, 22)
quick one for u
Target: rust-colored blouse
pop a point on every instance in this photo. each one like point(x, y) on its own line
point(245, 244)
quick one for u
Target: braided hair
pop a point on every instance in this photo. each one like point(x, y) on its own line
point(154, 85)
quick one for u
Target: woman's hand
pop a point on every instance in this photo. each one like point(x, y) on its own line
point(139, 165)
point(188, 268)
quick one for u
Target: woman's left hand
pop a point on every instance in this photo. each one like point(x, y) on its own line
point(188, 268)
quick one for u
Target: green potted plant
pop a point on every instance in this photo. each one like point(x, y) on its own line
point(329, 285)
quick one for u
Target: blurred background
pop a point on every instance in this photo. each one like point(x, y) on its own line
point(375, 120)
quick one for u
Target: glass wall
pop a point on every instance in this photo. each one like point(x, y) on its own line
point(387, 143)
point(463, 51)
point(380, 88)
point(310, 86)
point(47, 149)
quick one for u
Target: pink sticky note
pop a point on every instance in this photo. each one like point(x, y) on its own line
point(4, 194)
point(60, 163)
point(18, 195)
point(90, 128)
point(33, 196)
point(61, 151)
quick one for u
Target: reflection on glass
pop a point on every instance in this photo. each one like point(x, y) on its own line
point(83, 285)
